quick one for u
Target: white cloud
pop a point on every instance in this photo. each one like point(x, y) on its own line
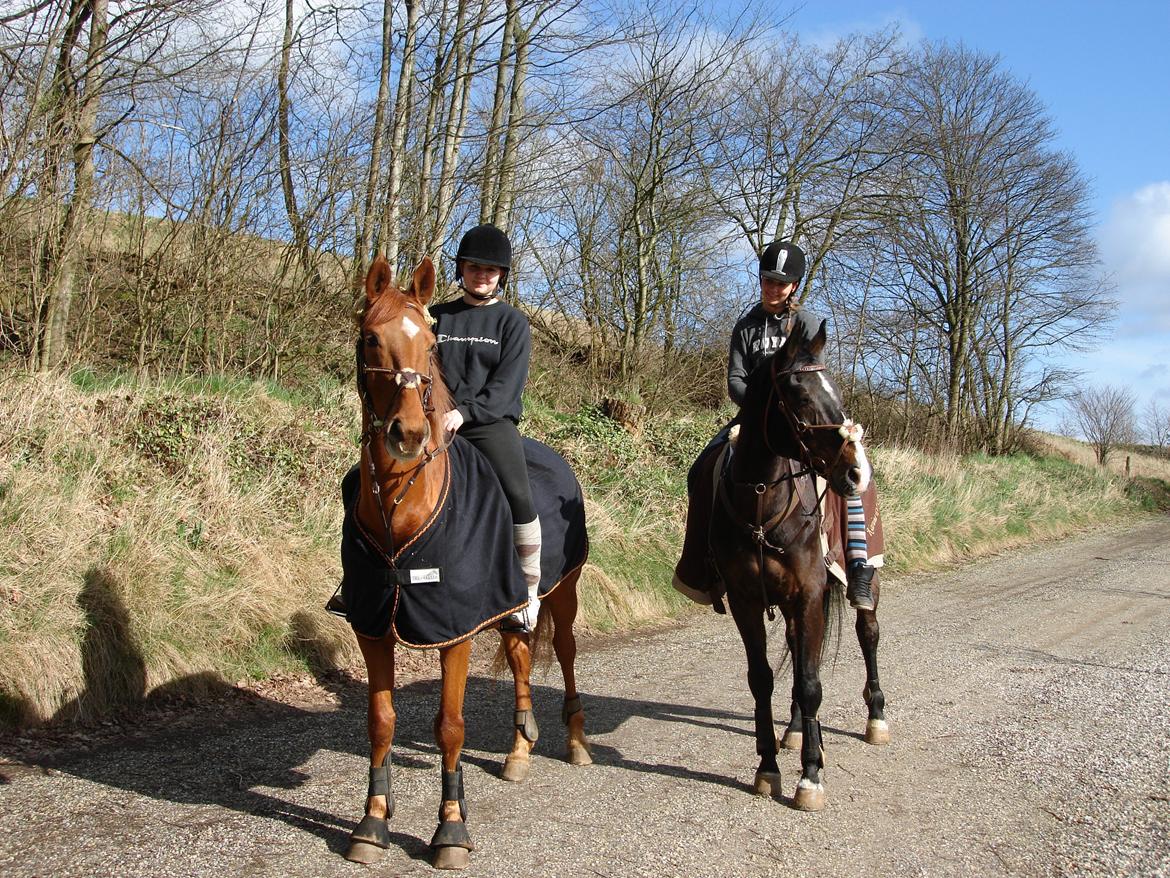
point(910, 32)
point(1135, 244)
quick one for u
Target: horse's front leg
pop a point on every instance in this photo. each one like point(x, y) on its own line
point(794, 734)
point(868, 633)
point(809, 636)
point(562, 606)
point(451, 842)
point(525, 732)
point(369, 840)
point(750, 622)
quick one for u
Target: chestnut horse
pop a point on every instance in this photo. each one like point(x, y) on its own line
point(406, 472)
point(767, 548)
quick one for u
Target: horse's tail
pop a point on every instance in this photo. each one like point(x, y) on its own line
point(834, 616)
point(834, 605)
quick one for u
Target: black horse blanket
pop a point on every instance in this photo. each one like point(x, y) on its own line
point(462, 573)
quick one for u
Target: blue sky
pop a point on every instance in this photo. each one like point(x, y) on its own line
point(1102, 70)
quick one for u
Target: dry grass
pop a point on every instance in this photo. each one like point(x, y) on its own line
point(1073, 450)
point(940, 510)
point(126, 567)
point(171, 538)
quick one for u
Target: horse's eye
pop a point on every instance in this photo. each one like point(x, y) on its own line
point(372, 340)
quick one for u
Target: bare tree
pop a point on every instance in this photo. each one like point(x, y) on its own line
point(1105, 418)
point(1156, 424)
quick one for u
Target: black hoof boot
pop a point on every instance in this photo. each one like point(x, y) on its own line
point(451, 843)
point(859, 592)
point(371, 837)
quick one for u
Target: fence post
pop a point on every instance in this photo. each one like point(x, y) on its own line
point(1127, 466)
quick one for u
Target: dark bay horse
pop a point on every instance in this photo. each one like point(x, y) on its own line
point(407, 479)
point(766, 543)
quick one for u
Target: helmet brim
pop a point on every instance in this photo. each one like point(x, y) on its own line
point(780, 276)
point(482, 262)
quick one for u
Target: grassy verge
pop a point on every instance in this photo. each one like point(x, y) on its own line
point(174, 536)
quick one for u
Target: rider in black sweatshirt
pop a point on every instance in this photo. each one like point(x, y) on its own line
point(484, 345)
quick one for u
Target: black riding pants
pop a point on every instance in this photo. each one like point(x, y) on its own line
point(499, 441)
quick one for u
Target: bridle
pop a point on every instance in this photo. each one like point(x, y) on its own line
point(404, 379)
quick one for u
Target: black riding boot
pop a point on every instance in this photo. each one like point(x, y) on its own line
point(859, 593)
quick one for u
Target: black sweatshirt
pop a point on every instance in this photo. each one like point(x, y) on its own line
point(755, 336)
point(484, 353)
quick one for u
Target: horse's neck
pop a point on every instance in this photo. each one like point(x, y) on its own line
point(760, 454)
point(394, 479)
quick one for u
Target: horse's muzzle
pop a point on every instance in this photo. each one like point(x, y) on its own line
point(406, 444)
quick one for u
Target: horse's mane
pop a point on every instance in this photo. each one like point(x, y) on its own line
point(794, 351)
point(387, 307)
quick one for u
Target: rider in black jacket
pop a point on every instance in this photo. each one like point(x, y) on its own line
point(757, 335)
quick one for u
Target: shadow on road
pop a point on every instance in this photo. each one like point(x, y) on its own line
point(237, 756)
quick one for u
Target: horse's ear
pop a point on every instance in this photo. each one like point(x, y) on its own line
point(816, 344)
point(378, 279)
point(422, 285)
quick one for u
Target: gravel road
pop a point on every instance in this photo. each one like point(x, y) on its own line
point(1029, 707)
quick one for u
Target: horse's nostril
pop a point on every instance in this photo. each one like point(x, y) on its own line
point(394, 431)
point(855, 474)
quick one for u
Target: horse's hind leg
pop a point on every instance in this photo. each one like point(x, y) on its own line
point(761, 681)
point(562, 605)
point(810, 629)
point(517, 648)
point(868, 633)
point(451, 843)
point(367, 843)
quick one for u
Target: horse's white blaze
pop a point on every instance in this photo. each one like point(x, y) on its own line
point(866, 470)
point(409, 327)
point(829, 388)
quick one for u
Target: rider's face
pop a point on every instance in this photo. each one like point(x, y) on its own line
point(481, 279)
point(774, 294)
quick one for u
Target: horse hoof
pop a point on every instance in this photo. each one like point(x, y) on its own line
point(363, 852)
point(515, 769)
point(809, 796)
point(579, 755)
point(877, 732)
point(792, 740)
point(451, 858)
point(767, 784)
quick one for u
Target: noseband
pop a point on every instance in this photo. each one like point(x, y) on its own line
point(404, 379)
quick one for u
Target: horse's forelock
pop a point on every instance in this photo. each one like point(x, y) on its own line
point(394, 304)
point(384, 308)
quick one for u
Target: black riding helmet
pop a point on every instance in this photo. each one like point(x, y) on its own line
point(782, 261)
point(484, 245)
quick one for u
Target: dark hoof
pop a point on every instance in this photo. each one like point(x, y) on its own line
point(451, 845)
point(363, 852)
point(451, 858)
point(369, 840)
